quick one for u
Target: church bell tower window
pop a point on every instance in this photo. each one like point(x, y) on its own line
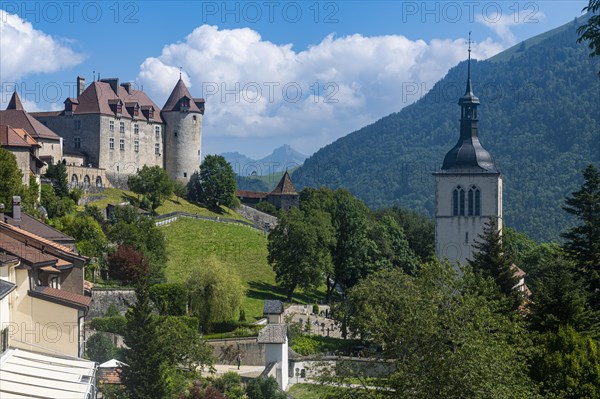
point(458, 202)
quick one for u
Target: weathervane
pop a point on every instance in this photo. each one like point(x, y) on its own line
point(469, 43)
point(180, 68)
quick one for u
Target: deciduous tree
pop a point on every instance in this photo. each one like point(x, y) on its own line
point(216, 293)
point(590, 31)
point(215, 184)
point(10, 178)
point(153, 183)
point(299, 249)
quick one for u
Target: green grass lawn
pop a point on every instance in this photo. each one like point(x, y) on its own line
point(116, 196)
point(311, 391)
point(241, 248)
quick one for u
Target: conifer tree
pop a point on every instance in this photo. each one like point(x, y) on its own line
point(144, 378)
point(489, 259)
point(583, 241)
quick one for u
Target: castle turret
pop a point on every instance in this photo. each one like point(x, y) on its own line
point(183, 133)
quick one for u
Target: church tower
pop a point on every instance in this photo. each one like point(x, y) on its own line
point(468, 187)
point(183, 132)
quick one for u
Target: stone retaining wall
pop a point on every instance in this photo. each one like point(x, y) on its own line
point(102, 298)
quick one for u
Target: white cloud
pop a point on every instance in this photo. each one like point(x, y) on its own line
point(345, 82)
point(26, 50)
point(501, 23)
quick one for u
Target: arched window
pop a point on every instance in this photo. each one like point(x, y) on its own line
point(458, 202)
point(74, 181)
point(86, 181)
point(98, 181)
point(474, 200)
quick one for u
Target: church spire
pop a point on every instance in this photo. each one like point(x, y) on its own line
point(468, 154)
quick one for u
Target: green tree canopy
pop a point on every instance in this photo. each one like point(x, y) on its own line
point(490, 260)
point(10, 178)
point(216, 293)
point(153, 183)
point(299, 249)
point(583, 241)
point(215, 184)
point(60, 181)
point(590, 31)
point(444, 333)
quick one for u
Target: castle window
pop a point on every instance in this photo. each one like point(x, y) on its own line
point(194, 119)
point(458, 202)
point(77, 124)
point(136, 146)
point(157, 132)
point(175, 133)
point(136, 129)
point(157, 149)
point(111, 126)
point(122, 144)
point(122, 128)
point(474, 199)
point(77, 142)
point(111, 143)
point(184, 174)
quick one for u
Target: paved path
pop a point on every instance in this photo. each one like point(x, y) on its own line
point(245, 371)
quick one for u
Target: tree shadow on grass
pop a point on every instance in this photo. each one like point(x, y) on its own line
point(263, 291)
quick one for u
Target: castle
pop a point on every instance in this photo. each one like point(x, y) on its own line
point(118, 128)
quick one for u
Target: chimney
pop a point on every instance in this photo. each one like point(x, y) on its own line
point(16, 209)
point(127, 87)
point(114, 84)
point(80, 85)
point(2, 212)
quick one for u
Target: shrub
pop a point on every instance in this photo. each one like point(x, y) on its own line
point(264, 388)
point(170, 299)
point(128, 264)
point(316, 309)
point(114, 324)
point(112, 311)
point(100, 348)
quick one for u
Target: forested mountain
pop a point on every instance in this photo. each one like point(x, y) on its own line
point(539, 118)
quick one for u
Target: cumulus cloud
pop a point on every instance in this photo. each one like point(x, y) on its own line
point(26, 50)
point(256, 89)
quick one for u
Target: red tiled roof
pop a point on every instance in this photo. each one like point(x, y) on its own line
point(517, 271)
point(9, 137)
point(285, 186)
point(64, 297)
point(250, 194)
point(16, 117)
point(109, 376)
point(180, 90)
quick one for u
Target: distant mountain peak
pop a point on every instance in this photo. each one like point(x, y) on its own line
point(280, 159)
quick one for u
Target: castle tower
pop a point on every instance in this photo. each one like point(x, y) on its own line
point(468, 187)
point(183, 132)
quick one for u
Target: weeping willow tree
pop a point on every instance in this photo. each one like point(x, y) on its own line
point(216, 293)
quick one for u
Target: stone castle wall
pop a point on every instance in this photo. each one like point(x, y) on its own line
point(183, 143)
point(103, 298)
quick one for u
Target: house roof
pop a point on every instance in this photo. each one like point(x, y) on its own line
point(273, 307)
point(273, 334)
point(62, 297)
point(42, 240)
point(16, 137)
point(179, 91)
point(32, 225)
point(250, 194)
point(6, 288)
point(16, 117)
point(285, 186)
point(25, 374)
point(29, 255)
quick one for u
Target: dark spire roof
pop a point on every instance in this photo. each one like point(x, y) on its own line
point(468, 154)
point(285, 186)
point(15, 102)
point(179, 91)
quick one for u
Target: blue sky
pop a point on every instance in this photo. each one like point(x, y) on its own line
point(272, 72)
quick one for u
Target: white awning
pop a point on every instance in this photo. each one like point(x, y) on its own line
point(25, 374)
